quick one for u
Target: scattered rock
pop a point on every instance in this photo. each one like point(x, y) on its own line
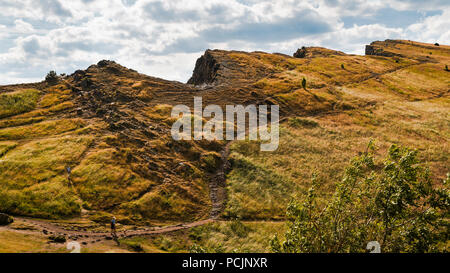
point(5, 219)
point(104, 63)
point(57, 238)
point(300, 53)
point(378, 51)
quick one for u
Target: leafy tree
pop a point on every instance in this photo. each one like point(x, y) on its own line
point(51, 78)
point(393, 203)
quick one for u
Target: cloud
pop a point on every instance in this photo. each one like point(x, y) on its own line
point(164, 38)
point(305, 23)
point(54, 7)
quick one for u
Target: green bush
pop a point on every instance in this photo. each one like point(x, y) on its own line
point(392, 203)
point(135, 246)
point(52, 78)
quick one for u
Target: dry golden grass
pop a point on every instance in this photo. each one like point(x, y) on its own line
point(126, 163)
point(388, 99)
point(41, 129)
point(18, 102)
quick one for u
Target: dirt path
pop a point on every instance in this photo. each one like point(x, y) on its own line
point(217, 195)
point(217, 190)
point(86, 237)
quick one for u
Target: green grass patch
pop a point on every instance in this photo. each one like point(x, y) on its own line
point(33, 180)
point(45, 128)
point(255, 191)
point(18, 102)
point(53, 200)
point(104, 182)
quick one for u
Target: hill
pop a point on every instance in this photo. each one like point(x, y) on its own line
point(111, 125)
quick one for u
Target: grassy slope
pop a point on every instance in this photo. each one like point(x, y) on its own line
point(41, 132)
point(348, 100)
point(409, 105)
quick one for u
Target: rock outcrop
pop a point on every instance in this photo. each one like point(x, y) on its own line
point(5, 219)
point(205, 70)
point(377, 51)
point(300, 53)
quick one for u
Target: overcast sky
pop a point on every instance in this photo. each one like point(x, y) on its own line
point(164, 38)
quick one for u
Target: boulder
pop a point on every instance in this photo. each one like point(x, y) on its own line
point(5, 219)
point(300, 53)
point(57, 238)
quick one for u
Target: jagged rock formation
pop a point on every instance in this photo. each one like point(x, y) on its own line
point(377, 51)
point(300, 53)
point(205, 70)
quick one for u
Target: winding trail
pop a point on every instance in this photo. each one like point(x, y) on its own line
point(218, 196)
point(218, 200)
point(94, 236)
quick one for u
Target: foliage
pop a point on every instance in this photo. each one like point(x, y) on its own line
point(393, 203)
point(51, 78)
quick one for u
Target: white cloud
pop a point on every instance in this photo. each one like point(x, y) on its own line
point(432, 29)
point(164, 38)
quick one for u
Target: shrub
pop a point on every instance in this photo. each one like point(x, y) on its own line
point(5, 219)
point(304, 83)
point(57, 238)
point(446, 68)
point(135, 246)
point(210, 161)
point(393, 203)
point(52, 78)
point(197, 249)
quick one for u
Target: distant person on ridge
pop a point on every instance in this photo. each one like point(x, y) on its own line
point(113, 227)
point(69, 170)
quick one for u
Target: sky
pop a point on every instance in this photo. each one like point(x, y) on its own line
point(164, 38)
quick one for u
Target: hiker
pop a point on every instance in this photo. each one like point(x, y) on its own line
point(68, 170)
point(113, 227)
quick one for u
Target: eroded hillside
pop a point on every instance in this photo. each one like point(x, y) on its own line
point(111, 125)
